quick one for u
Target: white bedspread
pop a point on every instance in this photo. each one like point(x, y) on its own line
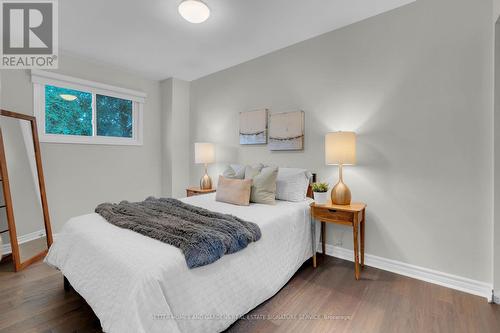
point(138, 284)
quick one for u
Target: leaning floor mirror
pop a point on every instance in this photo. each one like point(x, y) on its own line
point(24, 202)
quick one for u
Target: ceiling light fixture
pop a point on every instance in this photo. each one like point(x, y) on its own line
point(194, 11)
point(68, 97)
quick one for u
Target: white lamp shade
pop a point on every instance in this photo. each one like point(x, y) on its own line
point(194, 11)
point(204, 153)
point(340, 148)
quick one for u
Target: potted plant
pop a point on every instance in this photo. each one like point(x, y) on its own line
point(320, 193)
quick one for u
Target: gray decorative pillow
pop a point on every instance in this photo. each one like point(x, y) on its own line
point(263, 184)
point(234, 171)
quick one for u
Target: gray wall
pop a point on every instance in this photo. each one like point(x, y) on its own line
point(166, 92)
point(175, 136)
point(416, 85)
point(496, 234)
point(78, 177)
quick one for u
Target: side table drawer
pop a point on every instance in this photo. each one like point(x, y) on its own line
point(333, 215)
point(192, 193)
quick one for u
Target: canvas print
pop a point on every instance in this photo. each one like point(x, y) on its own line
point(286, 131)
point(253, 127)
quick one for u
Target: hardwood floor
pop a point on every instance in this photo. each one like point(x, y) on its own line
point(34, 301)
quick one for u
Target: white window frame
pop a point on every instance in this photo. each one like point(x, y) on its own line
point(41, 78)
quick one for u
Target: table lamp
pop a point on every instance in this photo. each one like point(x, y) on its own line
point(340, 149)
point(204, 153)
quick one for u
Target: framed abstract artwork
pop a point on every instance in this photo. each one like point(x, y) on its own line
point(286, 131)
point(253, 127)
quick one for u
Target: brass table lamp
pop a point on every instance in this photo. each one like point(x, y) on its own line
point(204, 153)
point(340, 149)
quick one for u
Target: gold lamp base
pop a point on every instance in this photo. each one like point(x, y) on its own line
point(206, 181)
point(341, 195)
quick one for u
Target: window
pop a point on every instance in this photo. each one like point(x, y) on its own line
point(114, 116)
point(67, 111)
point(71, 110)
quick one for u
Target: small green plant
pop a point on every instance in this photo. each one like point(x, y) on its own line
point(320, 187)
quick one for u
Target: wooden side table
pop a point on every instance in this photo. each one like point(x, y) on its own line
point(352, 215)
point(191, 191)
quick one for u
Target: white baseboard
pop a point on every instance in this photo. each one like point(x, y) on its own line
point(6, 249)
point(467, 285)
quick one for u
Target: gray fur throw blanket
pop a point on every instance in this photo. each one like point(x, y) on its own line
point(202, 235)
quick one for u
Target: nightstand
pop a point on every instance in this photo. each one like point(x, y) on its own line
point(191, 191)
point(351, 215)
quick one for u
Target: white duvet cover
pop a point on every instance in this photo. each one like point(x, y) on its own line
point(138, 284)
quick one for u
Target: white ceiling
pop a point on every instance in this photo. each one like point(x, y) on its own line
point(150, 37)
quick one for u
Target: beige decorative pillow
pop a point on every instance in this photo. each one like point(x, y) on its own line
point(233, 191)
point(263, 184)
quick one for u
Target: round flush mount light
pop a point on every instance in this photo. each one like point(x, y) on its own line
point(194, 11)
point(68, 97)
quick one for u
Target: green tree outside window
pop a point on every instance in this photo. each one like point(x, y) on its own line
point(69, 112)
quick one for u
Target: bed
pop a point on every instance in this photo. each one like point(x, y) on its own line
point(138, 284)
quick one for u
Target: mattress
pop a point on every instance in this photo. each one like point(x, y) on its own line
point(138, 284)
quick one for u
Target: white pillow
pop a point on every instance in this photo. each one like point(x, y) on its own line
point(292, 184)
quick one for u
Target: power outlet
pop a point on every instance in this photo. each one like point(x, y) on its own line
point(340, 241)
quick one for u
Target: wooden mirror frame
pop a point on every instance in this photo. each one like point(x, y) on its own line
point(18, 265)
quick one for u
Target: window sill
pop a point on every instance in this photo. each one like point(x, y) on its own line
point(74, 139)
